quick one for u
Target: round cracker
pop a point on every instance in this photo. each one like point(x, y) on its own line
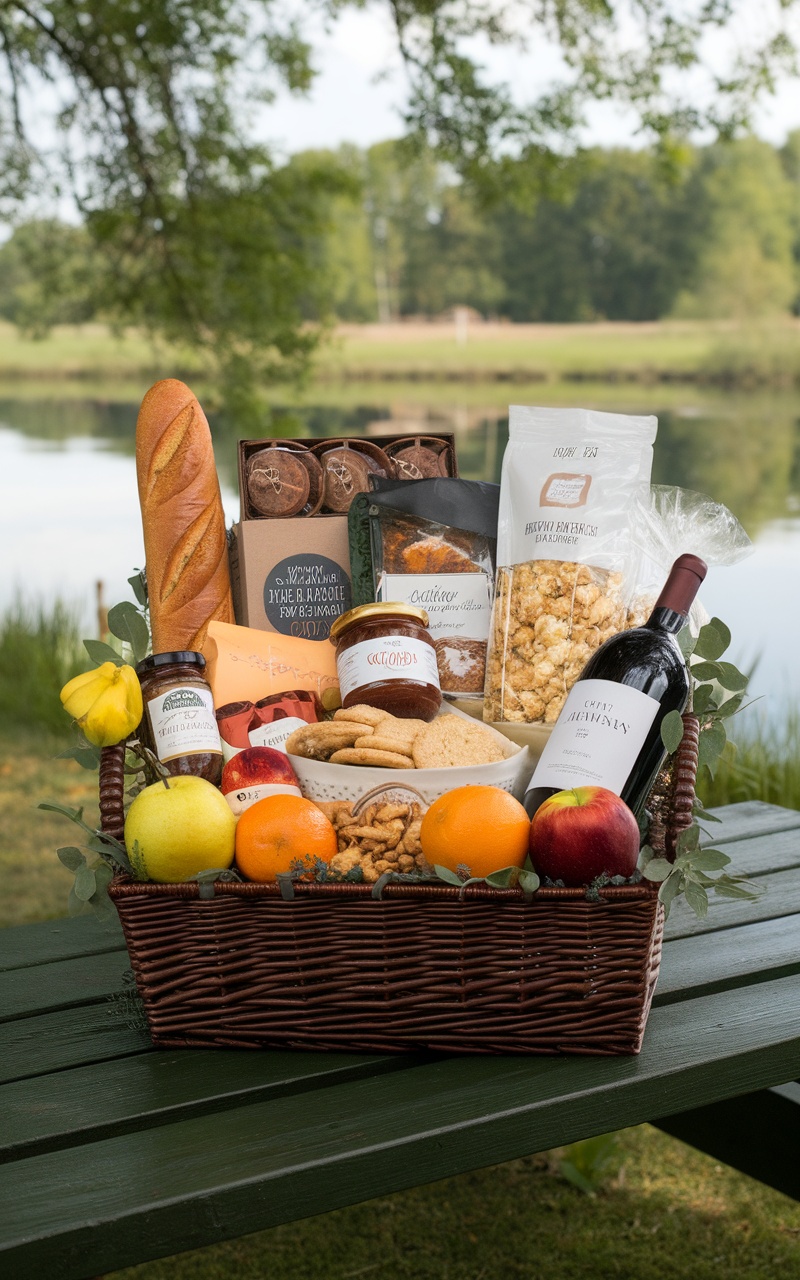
point(360, 713)
point(450, 743)
point(366, 756)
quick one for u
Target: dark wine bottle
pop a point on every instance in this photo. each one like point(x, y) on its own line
point(608, 733)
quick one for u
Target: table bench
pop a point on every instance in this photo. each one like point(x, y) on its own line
point(113, 1153)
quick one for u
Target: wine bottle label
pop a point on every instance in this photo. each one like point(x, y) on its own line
point(597, 738)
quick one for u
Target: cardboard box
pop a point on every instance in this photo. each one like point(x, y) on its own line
point(291, 576)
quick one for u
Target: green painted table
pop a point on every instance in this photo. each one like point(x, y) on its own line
point(114, 1153)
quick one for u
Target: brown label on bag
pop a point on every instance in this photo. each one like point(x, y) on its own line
point(565, 490)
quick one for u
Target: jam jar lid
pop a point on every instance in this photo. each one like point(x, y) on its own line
point(186, 657)
point(379, 609)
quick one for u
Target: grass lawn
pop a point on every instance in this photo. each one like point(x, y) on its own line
point(608, 352)
point(664, 1212)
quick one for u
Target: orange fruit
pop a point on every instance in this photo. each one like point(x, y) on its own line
point(477, 829)
point(283, 833)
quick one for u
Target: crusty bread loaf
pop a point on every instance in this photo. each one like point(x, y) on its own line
point(185, 546)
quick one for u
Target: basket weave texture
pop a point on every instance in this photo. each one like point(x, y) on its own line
point(425, 967)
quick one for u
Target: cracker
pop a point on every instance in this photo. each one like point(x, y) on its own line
point(366, 756)
point(318, 741)
point(360, 713)
point(450, 742)
point(378, 742)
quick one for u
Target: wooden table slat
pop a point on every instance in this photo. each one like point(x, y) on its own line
point(701, 963)
point(221, 1175)
point(51, 940)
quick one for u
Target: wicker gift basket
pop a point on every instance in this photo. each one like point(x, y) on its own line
point(329, 966)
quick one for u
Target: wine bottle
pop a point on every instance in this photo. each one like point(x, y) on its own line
point(608, 733)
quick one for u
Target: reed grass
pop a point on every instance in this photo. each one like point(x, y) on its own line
point(40, 650)
point(762, 763)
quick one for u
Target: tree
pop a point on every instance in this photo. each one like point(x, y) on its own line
point(744, 266)
point(206, 238)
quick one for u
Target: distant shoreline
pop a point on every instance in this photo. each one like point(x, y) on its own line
point(712, 353)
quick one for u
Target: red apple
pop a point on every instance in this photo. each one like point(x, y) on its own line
point(579, 834)
point(257, 772)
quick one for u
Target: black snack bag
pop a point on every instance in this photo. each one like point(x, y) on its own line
point(432, 543)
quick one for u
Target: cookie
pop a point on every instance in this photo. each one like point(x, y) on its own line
point(403, 730)
point(319, 741)
point(366, 756)
point(377, 742)
point(450, 742)
point(362, 714)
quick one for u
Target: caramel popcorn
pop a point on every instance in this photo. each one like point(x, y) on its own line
point(384, 837)
point(549, 618)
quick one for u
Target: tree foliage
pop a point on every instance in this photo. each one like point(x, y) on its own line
point(148, 112)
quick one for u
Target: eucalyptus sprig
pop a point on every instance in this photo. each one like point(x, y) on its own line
point(717, 692)
point(90, 888)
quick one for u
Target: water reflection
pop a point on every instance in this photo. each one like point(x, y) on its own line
point(71, 513)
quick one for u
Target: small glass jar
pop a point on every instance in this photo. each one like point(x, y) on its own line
point(179, 725)
point(385, 658)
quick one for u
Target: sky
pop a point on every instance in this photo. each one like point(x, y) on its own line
point(361, 83)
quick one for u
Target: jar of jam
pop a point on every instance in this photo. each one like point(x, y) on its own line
point(385, 658)
point(178, 724)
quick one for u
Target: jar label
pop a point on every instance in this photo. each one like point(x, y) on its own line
point(597, 737)
point(275, 734)
point(245, 796)
point(457, 604)
point(386, 658)
point(183, 722)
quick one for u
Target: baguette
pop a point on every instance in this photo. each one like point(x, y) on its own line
point(185, 546)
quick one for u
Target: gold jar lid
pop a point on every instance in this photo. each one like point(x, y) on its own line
point(379, 609)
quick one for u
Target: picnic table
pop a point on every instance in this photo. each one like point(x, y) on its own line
point(115, 1153)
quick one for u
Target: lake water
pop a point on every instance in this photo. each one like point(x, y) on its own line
point(70, 513)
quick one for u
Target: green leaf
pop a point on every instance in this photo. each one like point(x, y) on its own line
point(646, 854)
point(85, 884)
point(686, 642)
point(713, 640)
point(704, 814)
point(689, 839)
point(697, 898)
point(103, 875)
point(730, 706)
point(705, 670)
point(710, 860)
point(528, 881)
point(657, 869)
point(730, 677)
point(99, 652)
point(503, 878)
point(139, 587)
point(672, 731)
point(727, 887)
point(669, 890)
point(449, 877)
point(712, 744)
point(704, 699)
point(52, 806)
point(88, 757)
point(74, 905)
point(71, 857)
point(126, 623)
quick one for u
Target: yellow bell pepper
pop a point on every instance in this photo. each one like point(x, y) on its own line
point(106, 703)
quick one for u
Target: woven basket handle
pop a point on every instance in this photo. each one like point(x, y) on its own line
point(672, 797)
point(112, 790)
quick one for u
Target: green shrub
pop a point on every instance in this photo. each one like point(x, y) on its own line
point(764, 764)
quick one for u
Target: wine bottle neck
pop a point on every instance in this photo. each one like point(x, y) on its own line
point(663, 619)
point(681, 587)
